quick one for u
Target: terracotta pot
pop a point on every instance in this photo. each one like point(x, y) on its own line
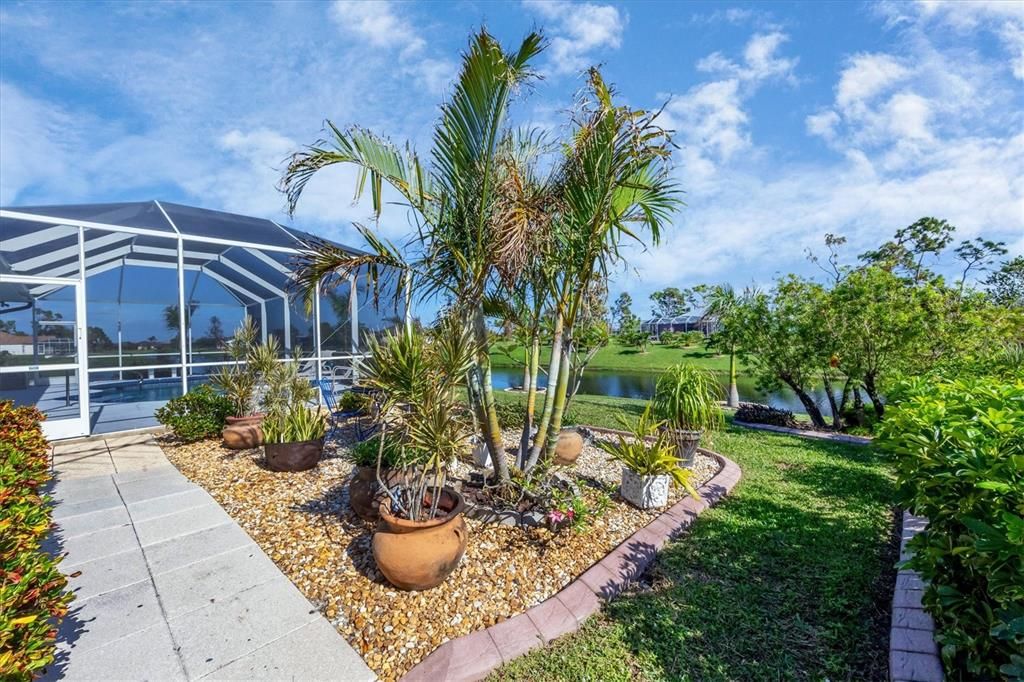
point(242, 433)
point(293, 456)
point(418, 555)
point(364, 493)
point(568, 447)
point(686, 445)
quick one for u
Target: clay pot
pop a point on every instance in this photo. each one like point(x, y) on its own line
point(686, 445)
point(364, 493)
point(418, 555)
point(299, 456)
point(568, 447)
point(242, 433)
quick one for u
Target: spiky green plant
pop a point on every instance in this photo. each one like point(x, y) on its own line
point(640, 455)
point(686, 398)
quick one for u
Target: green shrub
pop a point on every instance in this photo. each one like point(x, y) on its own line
point(672, 339)
point(353, 401)
point(200, 413)
point(512, 414)
point(960, 460)
point(364, 453)
point(32, 596)
point(692, 338)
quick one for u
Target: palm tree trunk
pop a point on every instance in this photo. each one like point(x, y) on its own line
point(554, 370)
point(532, 369)
point(560, 399)
point(734, 393)
point(488, 409)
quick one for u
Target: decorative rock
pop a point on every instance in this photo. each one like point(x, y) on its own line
point(568, 448)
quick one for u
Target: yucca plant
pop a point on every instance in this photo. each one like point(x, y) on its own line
point(298, 424)
point(416, 378)
point(686, 400)
point(241, 381)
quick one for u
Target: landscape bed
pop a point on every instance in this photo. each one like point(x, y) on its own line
point(303, 521)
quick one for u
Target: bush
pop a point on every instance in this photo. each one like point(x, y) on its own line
point(364, 453)
point(32, 596)
point(353, 401)
point(200, 413)
point(512, 415)
point(673, 339)
point(959, 448)
point(692, 338)
point(755, 413)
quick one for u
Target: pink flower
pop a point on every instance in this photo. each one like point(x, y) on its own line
point(555, 516)
point(571, 514)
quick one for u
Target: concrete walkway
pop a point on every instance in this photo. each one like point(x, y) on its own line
point(168, 586)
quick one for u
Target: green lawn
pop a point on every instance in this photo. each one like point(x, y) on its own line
point(789, 578)
point(617, 357)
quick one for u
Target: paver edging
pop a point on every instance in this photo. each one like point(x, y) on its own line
point(474, 656)
point(806, 433)
point(913, 653)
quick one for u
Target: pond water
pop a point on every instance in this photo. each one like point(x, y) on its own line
point(620, 384)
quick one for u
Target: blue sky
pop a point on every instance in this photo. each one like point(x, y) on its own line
point(793, 119)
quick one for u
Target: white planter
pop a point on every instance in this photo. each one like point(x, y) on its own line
point(645, 492)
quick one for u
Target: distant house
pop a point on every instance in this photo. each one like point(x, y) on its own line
point(705, 324)
point(21, 344)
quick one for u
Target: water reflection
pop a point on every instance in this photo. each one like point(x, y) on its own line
point(641, 385)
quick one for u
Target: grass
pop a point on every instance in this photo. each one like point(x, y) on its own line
point(615, 356)
point(789, 578)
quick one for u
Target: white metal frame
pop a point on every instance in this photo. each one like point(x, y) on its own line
point(63, 427)
point(102, 261)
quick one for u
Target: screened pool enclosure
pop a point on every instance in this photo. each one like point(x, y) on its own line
point(109, 310)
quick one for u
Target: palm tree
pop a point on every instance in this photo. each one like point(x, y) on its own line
point(613, 185)
point(723, 303)
point(458, 249)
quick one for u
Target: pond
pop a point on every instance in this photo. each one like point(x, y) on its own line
point(620, 384)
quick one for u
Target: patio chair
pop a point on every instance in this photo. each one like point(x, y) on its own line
point(334, 415)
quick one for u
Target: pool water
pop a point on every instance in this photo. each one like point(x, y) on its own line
point(148, 390)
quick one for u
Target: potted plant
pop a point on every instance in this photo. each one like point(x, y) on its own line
point(365, 494)
point(240, 383)
point(649, 464)
point(421, 534)
point(686, 400)
point(293, 432)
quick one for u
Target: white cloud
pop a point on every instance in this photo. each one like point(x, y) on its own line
point(760, 60)
point(580, 29)
point(376, 22)
point(864, 77)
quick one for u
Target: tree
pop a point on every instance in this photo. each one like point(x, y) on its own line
point(622, 310)
point(722, 303)
point(631, 334)
point(460, 248)
point(1005, 286)
point(671, 302)
point(172, 321)
point(778, 339)
point(215, 331)
point(909, 249)
point(98, 339)
point(977, 255)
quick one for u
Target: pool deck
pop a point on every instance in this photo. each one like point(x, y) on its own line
point(167, 586)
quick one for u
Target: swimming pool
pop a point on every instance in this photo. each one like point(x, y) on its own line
point(146, 390)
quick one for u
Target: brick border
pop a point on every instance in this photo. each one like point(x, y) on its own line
point(913, 654)
point(472, 657)
point(807, 433)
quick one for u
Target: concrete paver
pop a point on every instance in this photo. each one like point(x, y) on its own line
point(168, 586)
